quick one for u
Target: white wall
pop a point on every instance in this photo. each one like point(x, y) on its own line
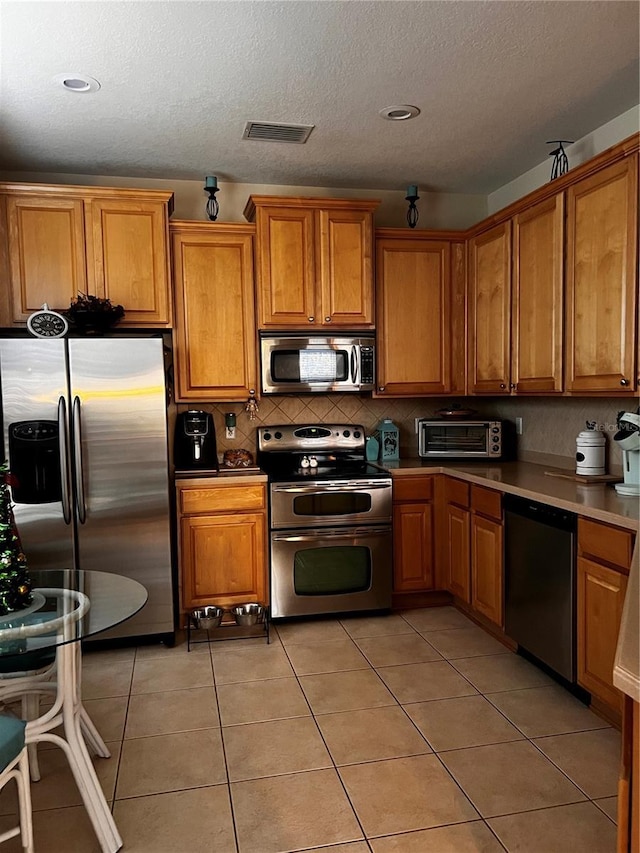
point(582, 150)
point(437, 210)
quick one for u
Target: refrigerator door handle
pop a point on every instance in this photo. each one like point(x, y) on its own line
point(63, 432)
point(77, 452)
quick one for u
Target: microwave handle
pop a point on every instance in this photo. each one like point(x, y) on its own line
point(354, 365)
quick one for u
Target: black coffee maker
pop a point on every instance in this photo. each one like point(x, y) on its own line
point(194, 446)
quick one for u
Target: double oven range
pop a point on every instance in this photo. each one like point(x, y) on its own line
point(331, 540)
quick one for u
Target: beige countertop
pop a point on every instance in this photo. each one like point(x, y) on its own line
point(528, 480)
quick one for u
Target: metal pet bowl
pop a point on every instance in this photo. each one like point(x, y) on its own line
point(207, 617)
point(248, 614)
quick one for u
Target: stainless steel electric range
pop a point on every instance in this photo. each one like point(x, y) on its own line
point(331, 544)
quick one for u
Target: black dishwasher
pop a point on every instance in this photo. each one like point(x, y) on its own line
point(540, 582)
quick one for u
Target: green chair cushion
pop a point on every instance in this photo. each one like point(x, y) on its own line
point(11, 739)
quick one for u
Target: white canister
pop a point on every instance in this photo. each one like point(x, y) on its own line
point(590, 452)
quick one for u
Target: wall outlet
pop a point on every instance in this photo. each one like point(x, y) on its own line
point(230, 432)
point(518, 426)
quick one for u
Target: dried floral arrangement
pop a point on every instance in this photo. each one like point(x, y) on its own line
point(93, 313)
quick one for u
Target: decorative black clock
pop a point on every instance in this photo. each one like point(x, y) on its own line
point(46, 323)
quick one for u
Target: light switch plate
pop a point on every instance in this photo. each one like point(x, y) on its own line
point(518, 426)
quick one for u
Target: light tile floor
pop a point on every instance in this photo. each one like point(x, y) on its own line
point(410, 733)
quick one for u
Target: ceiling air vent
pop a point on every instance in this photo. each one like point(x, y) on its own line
point(270, 131)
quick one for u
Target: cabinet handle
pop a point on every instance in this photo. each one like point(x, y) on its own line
point(311, 319)
point(513, 386)
point(380, 387)
point(327, 319)
point(502, 386)
point(624, 382)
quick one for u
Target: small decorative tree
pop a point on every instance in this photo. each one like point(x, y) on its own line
point(15, 584)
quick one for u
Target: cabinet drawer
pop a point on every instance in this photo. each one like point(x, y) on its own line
point(413, 488)
point(221, 498)
point(456, 492)
point(486, 502)
point(606, 543)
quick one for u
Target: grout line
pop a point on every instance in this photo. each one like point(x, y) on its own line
point(326, 746)
point(224, 752)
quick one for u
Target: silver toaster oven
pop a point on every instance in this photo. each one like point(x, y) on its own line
point(460, 439)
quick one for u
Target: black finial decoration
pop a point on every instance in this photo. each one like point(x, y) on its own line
point(560, 164)
point(211, 187)
point(412, 214)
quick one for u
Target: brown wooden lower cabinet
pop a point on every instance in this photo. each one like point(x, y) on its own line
point(601, 592)
point(487, 568)
point(413, 534)
point(487, 571)
point(222, 553)
point(458, 536)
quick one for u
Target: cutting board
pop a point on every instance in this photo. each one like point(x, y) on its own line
point(585, 479)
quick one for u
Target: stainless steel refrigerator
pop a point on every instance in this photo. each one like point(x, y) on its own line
point(85, 433)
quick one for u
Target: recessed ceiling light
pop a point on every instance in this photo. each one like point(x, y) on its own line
point(399, 112)
point(73, 82)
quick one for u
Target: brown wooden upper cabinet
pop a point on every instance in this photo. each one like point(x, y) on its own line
point(536, 306)
point(60, 241)
point(489, 258)
point(420, 314)
point(314, 261)
point(516, 301)
point(601, 279)
point(215, 349)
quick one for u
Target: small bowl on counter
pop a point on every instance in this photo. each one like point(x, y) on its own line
point(207, 618)
point(248, 614)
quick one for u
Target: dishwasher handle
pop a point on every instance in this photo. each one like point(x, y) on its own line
point(543, 513)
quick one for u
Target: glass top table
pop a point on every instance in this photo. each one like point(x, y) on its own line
point(67, 606)
point(40, 654)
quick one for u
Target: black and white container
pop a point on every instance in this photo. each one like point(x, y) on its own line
point(590, 453)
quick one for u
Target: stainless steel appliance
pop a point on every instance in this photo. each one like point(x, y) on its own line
point(295, 364)
point(540, 582)
point(85, 429)
point(194, 445)
point(464, 439)
point(628, 440)
point(331, 544)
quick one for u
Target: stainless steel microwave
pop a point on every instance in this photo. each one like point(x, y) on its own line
point(296, 364)
point(463, 439)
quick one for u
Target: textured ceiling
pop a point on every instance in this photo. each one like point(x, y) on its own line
point(493, 81)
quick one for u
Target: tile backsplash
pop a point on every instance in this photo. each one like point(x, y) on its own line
point(550, 425)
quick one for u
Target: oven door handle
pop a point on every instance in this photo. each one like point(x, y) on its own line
point(344, 533)
point(332, 487)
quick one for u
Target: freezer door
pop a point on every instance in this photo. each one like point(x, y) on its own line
point(119, 430)
point(33, 375)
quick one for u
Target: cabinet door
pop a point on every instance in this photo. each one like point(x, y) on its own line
point(537, 299)
point(46, 252)
point(489, 310)
point(128, 258)
point(458, 562)
point(286, 267)
point(215, 348)
point(223, 559)
point(601, 594)
point(412, 547)
point(414, 335)
point(486, 568)
point(345, 267)
point(601, 279)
